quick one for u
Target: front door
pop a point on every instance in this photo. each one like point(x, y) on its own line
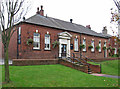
point(64, 50)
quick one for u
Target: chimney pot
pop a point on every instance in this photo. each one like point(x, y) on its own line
point(88, 26)
point(23, 18)
point(38, 12)
point(71, 20)
point(41, 7)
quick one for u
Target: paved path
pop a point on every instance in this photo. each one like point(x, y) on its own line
point(105, 75)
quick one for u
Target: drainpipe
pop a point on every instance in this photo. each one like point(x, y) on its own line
point(80, 49)
point(17, 45)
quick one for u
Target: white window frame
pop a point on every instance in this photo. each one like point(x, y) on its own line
point(47, 41)
point(105, 44)
point(93, 44)
point(37, 41)
point(115, 52)
point(100, 46)
point(84, 43)
point(76, 44)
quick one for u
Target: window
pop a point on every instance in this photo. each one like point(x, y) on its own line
point(115, 52)
point(84, 43)
point(104, 44)
point(76, 44)
point(100, 46)
point(47, 42)
point(19, 35)
point(92, 43)
point(36, 40)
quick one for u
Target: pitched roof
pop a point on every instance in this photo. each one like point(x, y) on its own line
point(63, 25)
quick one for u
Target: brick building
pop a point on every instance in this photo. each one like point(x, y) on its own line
point(44, 31)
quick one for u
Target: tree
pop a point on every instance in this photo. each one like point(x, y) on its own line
point(116, 19)
point(11, 13)
point(117, 3)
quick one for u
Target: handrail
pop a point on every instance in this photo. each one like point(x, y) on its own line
point(74, 59)
point(87, 58)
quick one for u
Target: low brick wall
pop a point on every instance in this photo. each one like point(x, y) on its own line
point(68, 64)
point(95, 68)
point(24, 62)
point(104, 59)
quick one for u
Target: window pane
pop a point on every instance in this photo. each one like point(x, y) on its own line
point(47, 41)
point(36, 39)
point(76, 44)
point(84, 43)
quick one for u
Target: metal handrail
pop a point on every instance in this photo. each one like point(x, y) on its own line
point(87, 58)
point(74, 59)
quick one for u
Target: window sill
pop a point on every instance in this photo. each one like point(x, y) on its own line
point(92, 51)
point(47, 50)
point(76, 51)
point(36, 49)
point(84, 51)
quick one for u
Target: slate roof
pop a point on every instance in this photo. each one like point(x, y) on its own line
point(63, 25)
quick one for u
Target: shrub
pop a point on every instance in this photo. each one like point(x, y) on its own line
point(90, 46)
point(29, 41)
point(55, 43)
point(97, 47)
point(104, 48)
point(82, 46)
point(115, 55)
point(109, 48)
point(113, 48)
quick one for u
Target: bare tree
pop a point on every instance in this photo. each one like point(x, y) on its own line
point(117, 3)
point(11, 13)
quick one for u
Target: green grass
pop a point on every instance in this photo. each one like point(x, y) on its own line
point(110, 67)
point(93, 63)
point(54, 76)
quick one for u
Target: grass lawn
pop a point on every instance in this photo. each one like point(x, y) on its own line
point(55, 76)
point(111, 67)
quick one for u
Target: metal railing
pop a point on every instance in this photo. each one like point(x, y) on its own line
point(73, 59)
point(78, 59)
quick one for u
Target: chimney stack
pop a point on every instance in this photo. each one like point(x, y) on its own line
point(41, 12)
point(88, 26)
point(104, 31)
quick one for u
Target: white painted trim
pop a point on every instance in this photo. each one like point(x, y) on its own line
point(36, 31)
point(64, 38)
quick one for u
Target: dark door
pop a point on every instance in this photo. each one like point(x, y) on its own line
point(63, 48)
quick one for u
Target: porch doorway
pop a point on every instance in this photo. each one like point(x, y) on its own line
point(64, 50)
point(64, 46)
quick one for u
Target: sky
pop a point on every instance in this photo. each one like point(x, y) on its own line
point(95, 13)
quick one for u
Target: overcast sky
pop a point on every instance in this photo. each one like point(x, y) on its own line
point(84, 12)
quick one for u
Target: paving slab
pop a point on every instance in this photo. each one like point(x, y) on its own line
point(105, 75)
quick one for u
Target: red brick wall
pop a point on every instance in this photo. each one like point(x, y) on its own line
point(96, 53)
point(13, 46)
point(26, 51)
